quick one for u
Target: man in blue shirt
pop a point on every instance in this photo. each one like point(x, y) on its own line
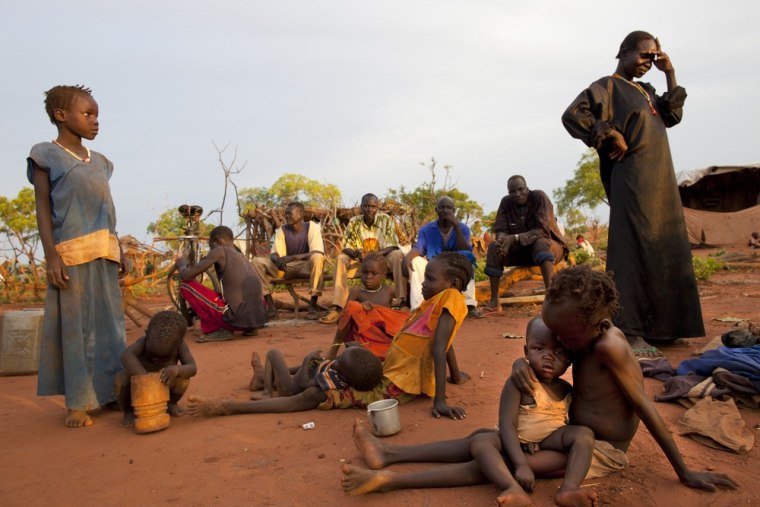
point(447, 234)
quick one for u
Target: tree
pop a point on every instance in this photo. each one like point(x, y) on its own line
point(583, 191)
point(228, 168)
point(171, 224)
point(424, 198)
point(18, 222)
point(292, 187)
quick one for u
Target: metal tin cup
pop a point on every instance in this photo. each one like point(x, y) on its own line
point(384, 418)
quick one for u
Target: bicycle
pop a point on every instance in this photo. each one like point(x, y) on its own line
point(189, 246)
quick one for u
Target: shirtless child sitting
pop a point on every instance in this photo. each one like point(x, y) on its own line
point(533, 440)
point(164, 349)
point(608, 387)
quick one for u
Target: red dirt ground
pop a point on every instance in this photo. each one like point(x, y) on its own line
point(271, 460)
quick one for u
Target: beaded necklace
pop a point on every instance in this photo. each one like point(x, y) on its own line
point(86, 159)
point(370, 290)
point(641, 90)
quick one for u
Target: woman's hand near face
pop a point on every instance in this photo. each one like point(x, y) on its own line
point(662, 62)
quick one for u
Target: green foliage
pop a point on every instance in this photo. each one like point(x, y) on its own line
point(580, 256)
point(18, 225)
point(704, 267)
point(488, 220)
point(18, 218)
point(170, 223)
point(583, 191)
point(423, 198)
point(292, 187)
point(18, 222)
point(479, 274)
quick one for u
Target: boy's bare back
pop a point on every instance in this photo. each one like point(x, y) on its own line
point(599, 403)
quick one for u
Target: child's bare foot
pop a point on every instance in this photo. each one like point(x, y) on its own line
point(576, 497)
point(371, 449)
point(77, 419)
point(198, 407)
point(175, 410)
point(257, 380)
point(128, 421)
point(515, 496)
point(357, 481)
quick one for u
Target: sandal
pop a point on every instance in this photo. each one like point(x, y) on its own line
point(474, 313)
point(220, 335)
point(332, 317)
point(490, 310)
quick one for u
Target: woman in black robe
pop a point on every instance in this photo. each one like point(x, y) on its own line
point(648, 247)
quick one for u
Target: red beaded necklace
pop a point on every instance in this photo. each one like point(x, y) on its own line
point(641, 90)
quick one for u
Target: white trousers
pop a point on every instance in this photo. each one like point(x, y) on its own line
point(415, 284)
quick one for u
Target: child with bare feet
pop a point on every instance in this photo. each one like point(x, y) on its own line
point(162, 349)
point(83, 333)
point(276, 376)
point(608, 387)
point(367, 317)
point(415, 364)
point(532, 429)
point(340, 383)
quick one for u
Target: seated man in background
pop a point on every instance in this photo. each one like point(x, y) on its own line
point(369, 232)
point(526, 235)
point(298, 251)
point(447, 234)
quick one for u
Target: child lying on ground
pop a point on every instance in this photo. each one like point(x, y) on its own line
point(538, 423)
point(164, 349)
point(608, 388)
point(415, 364)
point(367, 317)
point(276, 377)
point(354, 373)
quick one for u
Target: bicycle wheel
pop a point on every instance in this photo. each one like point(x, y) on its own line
point(207, 278)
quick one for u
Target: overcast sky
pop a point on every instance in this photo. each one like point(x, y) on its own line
point(358, 93)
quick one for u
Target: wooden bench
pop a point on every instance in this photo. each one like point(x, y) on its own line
point(510, 277)
point(291, 284)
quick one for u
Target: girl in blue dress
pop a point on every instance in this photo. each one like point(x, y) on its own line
point(83, 335)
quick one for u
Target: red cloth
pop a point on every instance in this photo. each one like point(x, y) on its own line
point(208, 305)
point(374, 328)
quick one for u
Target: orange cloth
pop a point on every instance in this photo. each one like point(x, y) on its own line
point(374, 328)
point(409, 362)
point(96, 245)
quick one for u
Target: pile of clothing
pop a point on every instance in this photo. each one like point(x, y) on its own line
point(711, 386)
